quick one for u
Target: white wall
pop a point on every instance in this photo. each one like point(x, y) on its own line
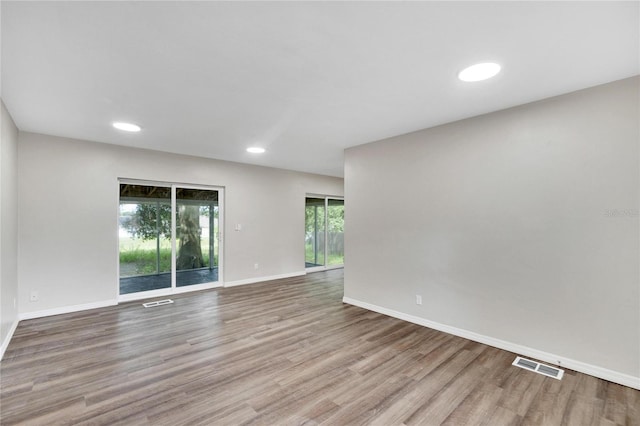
point(8, 227)
point(68, 215)
point(521, 225)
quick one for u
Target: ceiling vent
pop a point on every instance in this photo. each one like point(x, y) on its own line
point(536, 367)
point(157, 303)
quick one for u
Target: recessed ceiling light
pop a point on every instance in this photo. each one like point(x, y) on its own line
point(479, 72)
point(255, 150)
point(127, 127)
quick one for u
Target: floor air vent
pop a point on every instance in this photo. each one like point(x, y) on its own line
point(536, 367)
point(157, 303)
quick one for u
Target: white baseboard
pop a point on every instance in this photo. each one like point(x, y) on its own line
point(261, 279)
point(7, 339)
point(67, 309)
point(592, 370)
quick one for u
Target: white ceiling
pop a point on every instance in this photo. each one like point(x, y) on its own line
point(304, 80)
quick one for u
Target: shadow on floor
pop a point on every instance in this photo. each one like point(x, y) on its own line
point(158, 281)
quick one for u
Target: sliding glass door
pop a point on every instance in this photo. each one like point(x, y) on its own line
point(169, 238)
point(335, 232)
point(324, 232)
point(314, 232)
point(145, 238)
point(196, 231)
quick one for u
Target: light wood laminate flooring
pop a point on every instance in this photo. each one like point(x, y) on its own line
point(284, 352)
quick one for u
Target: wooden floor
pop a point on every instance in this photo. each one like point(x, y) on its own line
point(279, 353)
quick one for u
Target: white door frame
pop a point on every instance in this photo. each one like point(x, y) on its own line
point(326, 233)
point(174, 289)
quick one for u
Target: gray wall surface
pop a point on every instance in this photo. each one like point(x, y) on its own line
point(520, 225)
point(8, 223)
point(69, 215)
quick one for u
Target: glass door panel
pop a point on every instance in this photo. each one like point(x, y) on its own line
point(197, 213)
point(335, 232)
point(314, 232)
point(144, 230)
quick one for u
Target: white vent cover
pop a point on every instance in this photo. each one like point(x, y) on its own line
point(157, 303)
point(536, 367)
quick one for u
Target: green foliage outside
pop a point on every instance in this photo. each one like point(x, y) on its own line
point(336, 218)
point(143, 224)
point(150, 224)
point(332, 259)
point(139, 257)
point(335, 221)
point(143, 262)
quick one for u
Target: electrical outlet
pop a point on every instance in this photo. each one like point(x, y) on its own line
point(418, 299)
point(33, 297)
point(256, 266)
point(14, 302)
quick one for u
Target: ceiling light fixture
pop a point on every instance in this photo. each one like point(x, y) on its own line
point(479, 72)
point(127, 127)
point(255, 150)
